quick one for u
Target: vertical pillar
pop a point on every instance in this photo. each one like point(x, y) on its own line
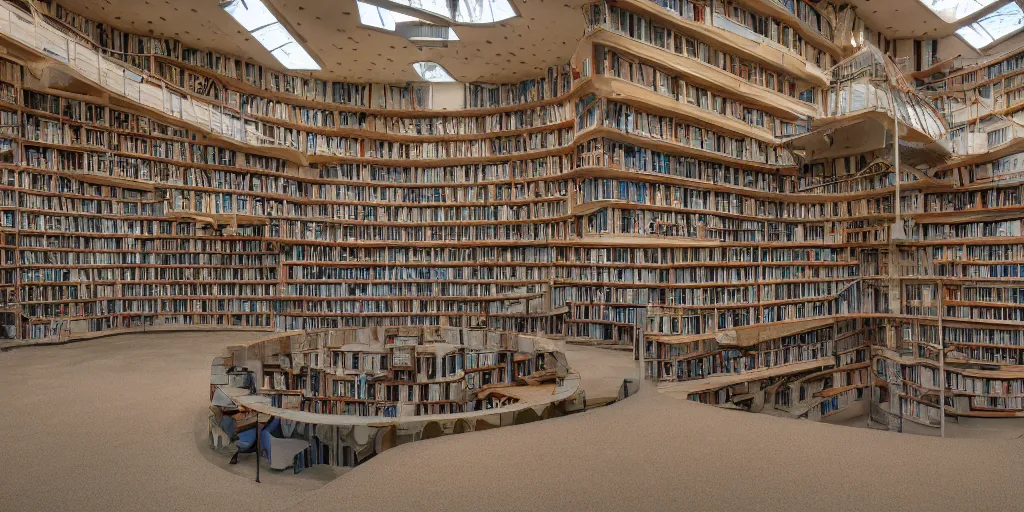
point(257, 447)
point(942, 366)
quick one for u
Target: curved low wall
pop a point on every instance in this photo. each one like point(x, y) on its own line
point(342, 396)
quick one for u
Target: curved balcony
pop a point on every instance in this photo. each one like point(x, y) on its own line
point(869, 86)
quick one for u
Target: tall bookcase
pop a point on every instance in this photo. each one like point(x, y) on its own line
point(769, 212)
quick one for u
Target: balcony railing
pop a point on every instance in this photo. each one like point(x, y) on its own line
point(113, 73)
point(870, 81)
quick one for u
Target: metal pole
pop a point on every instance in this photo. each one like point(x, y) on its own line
point(871, 378)
point(257, 447)
point(942, 367)
point(642, 346)
point(896, 149)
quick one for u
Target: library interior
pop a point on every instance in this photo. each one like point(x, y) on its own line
point(253, 252)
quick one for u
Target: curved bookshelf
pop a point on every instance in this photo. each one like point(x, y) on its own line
point(672, 187)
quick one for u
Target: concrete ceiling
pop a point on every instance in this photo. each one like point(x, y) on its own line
point(901, 19)
point(546, 33)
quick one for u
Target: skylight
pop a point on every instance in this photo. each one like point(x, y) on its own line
point(990, 28)
point(250, 14)
point(265, 28)
point(459, 11)
point(432, 72)
point(438, 7)
point(379, 17)
point(484, 11)
point(953, 10)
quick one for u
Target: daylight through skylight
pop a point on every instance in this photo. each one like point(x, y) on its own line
point(460, 11)
point(990, 28)
point(379, 17)
point(953, 10)
point(254, 16)
point(432, 72)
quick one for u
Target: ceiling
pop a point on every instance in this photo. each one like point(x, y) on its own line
point(899, 19)
point(546, 33)
point(902, 18)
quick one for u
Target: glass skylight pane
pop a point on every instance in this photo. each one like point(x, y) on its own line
point(973, 36)
point(484, 11)
point(293, 56)
point(1006, 20)
point(370, 15)
point(432, 72)
point(438, 7)
point(1003, 21)
point(474, 11)
point(258, 20)
point(379, 17)
point(952, 10)
point(273, 37)
point(502, 10)
point(251, 14)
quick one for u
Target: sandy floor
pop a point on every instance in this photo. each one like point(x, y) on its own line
point(652, 452)
point(601, 370)
point(117, 424)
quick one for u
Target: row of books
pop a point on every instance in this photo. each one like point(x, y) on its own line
point(835, 403)
point(371, 148)
point(224, 203)
point(975, 77)
point(288, 322)
point(663, 351)
point(322, 256)
point(680, 44)
point(562, 295)
point(983, 386)
point(348, 192)
point(449, 175)
point(681, 197)
point(1008, 228)
point(973, 200)
point(993, 355)
point(394, 291)
point(851, 184)
point(994, 252)
point(584, 313)
point(844, 304)
point(700, 256)
point(1013, 314)
point(775, 31)
point(325, 118)
point(364, 305)
point(425, 274)
point(91, 310)
point(86, 206)
point(313, 230)
point(723, 228)
point(156, 248)
point(984, 294)
point(629, 119)
point(126, 291)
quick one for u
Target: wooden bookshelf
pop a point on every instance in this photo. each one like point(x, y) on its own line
point(414, 379)
point(666, 188)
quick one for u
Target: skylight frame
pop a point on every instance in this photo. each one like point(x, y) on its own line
point(425, 68)
point(375, 17)
point(265, 27)
point(451, 12)
point(958, 15)
point(981, 36)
